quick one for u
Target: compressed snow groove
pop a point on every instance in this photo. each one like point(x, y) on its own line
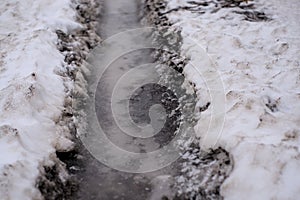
point(202, 172)
point(75, 46)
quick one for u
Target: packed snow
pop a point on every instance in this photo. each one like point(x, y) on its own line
point(33, 88)
point(255, 50)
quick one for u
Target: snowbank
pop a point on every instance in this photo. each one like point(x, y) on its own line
point(255, 49)
point(33, 87)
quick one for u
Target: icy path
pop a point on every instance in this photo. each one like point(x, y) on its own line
point(98, 181)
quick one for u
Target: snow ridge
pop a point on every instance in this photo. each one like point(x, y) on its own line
point(35, 86)
point(255, 48)
point(201, 172)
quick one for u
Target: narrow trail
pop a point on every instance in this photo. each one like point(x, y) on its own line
point(96, 180)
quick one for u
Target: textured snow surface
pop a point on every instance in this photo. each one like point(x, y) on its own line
point(258, 62)
point(32, 91)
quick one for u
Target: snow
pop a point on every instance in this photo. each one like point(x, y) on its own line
point(258, 62)
point(32, 91)
point(258, 66)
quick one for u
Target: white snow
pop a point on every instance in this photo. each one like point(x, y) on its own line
point(258, 63)
point(32, 91)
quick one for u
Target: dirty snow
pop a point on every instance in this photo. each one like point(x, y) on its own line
point(258, 62)
point(32, 91)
